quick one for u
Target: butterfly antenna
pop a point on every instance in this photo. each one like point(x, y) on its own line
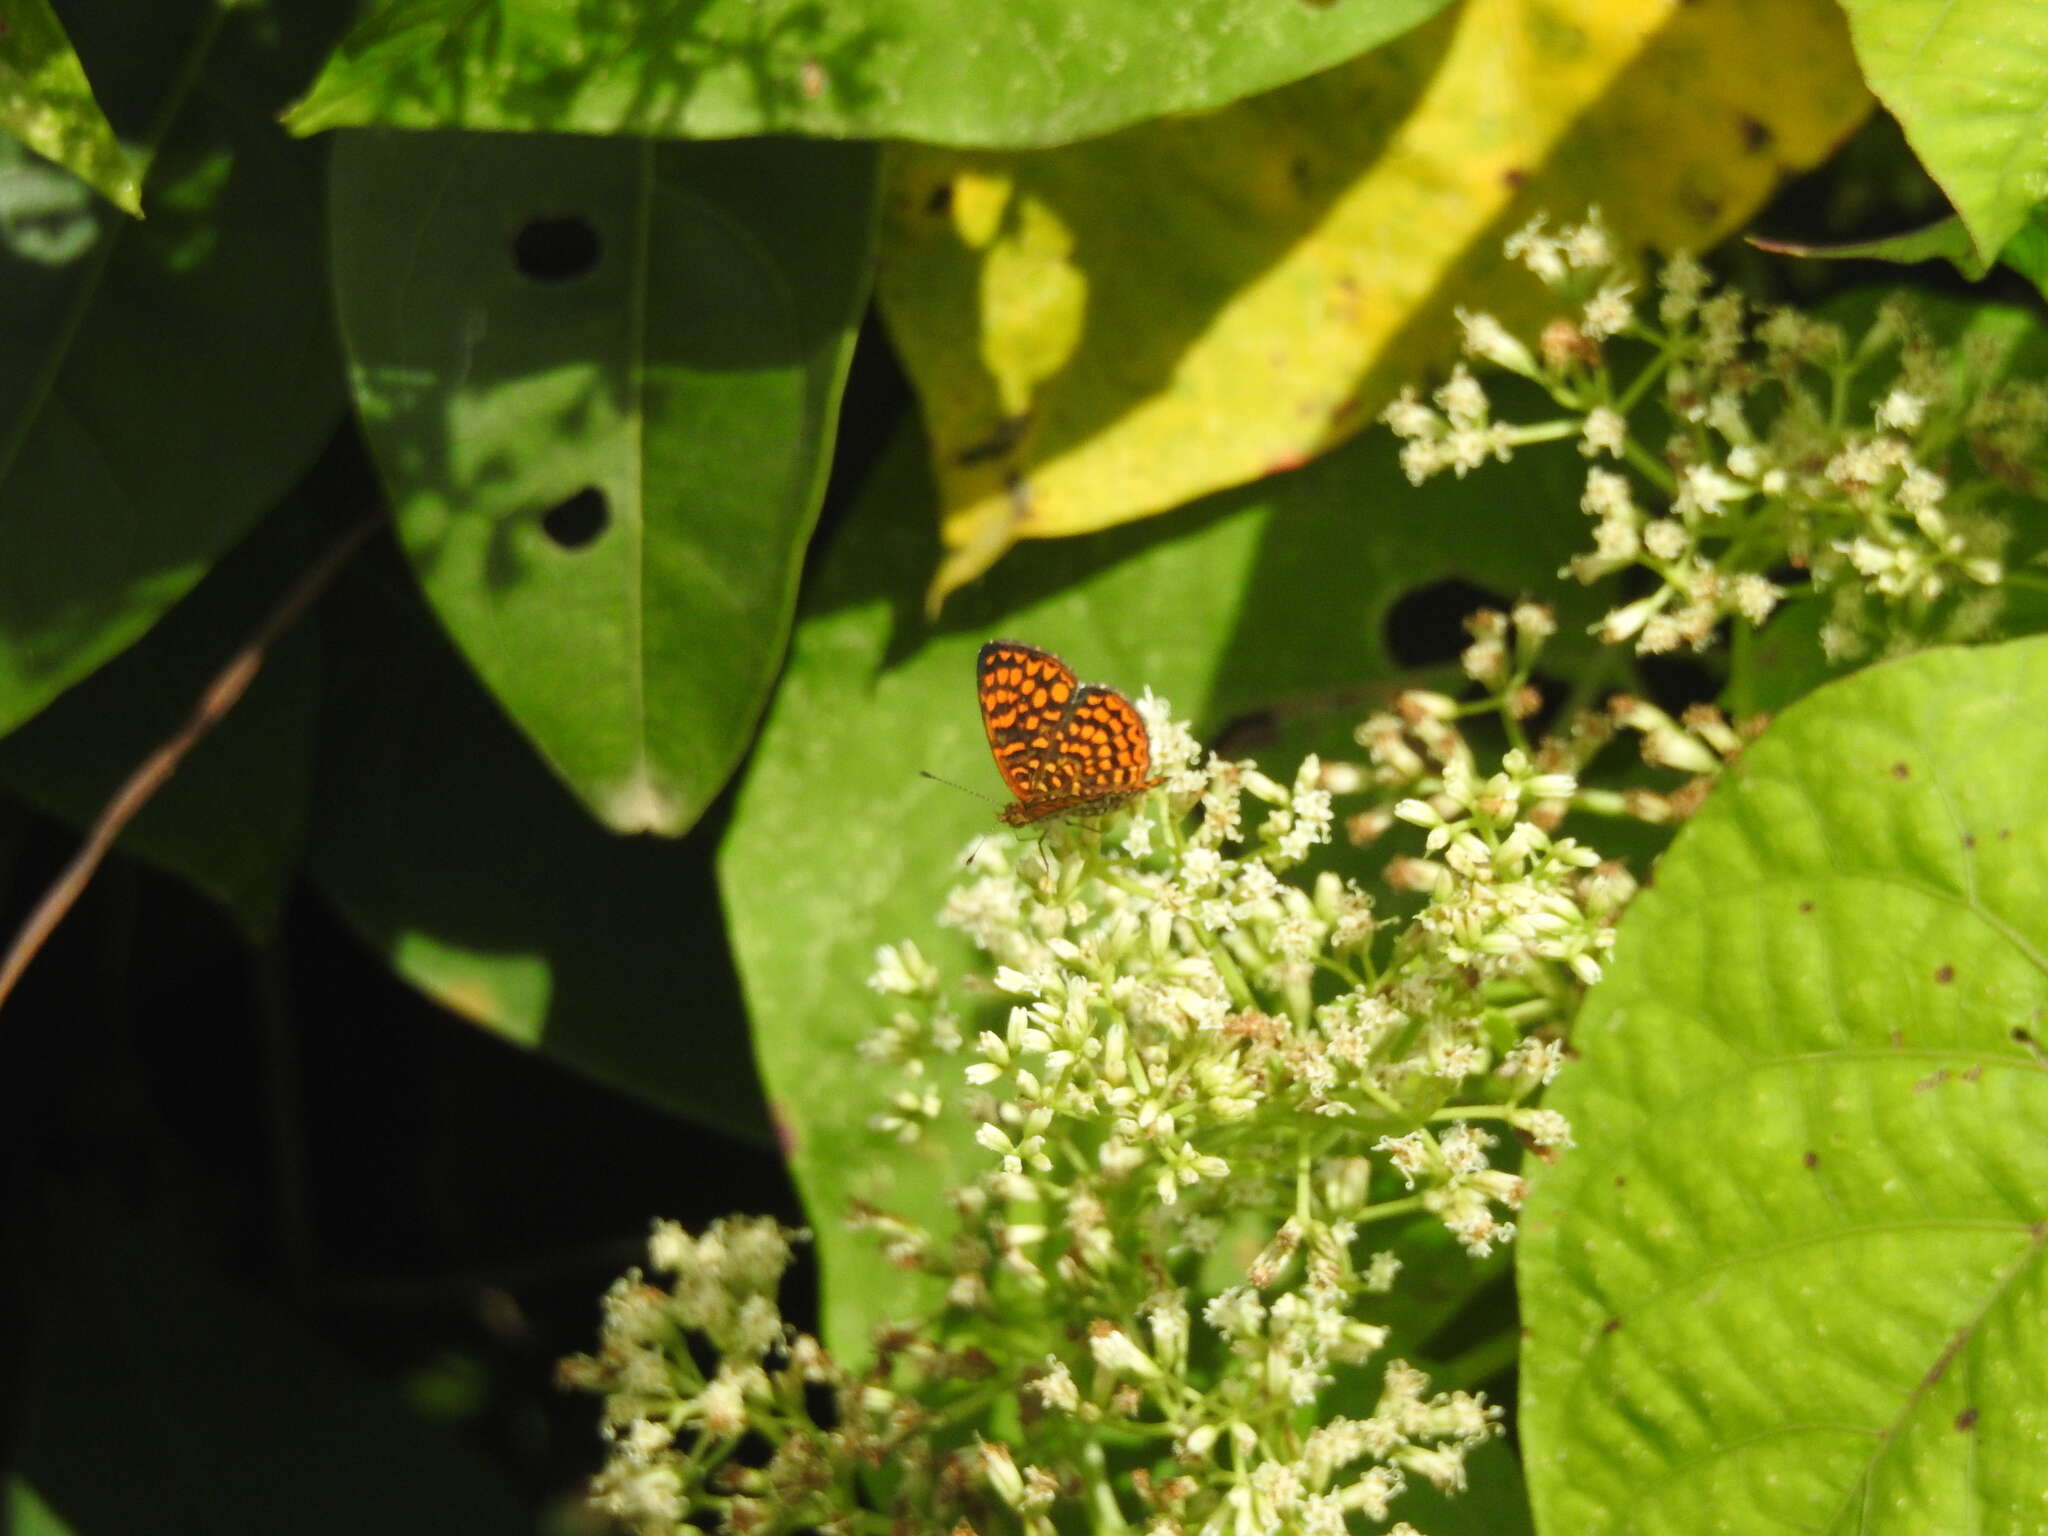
point(923, 773)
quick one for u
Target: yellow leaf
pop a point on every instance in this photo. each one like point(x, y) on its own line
point(1107, 330)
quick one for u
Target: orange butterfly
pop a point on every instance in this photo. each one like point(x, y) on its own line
point(1064, 748)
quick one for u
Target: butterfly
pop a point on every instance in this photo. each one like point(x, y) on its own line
point(1065, 748)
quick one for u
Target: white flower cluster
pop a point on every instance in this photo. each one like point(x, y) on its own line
point(1761, 475)
point(1201, 1054)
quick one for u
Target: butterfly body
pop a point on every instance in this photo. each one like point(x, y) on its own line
point(1064, 747)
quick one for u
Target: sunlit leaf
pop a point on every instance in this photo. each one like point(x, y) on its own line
point(1109, 330)
point(1968, 82)
point(1025, 72)
point(1794, 1266)
point(46, 102)
point(601, 378)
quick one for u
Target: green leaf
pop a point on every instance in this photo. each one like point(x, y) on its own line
point(232, 817)
point(465, 864)
point(46, 102)
point(238, 1420)
point(1946, 240)
point(1968, 82)
point(28, 1515)
point(1791, 1278)
point(1273, 598)
point(600, 378)
point(1026, 72)
point(2026, 252)
point(164, 381)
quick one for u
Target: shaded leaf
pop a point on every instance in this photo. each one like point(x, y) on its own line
point(1968, 82)
point(232, 817)
point(1946, 240)
point(600, 379)
point(1794, 1265)
point(130, 455)
point(1273, 598)
point(2026, 252)
point(28, 1514)
point(1028, 72)
point(463, 862)
point(243, 1420)
point(46, 102)
point(1105, 331)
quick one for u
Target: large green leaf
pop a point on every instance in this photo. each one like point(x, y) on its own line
point(1248, 601)
point(600, 378)
point(1792, 1276)
point(1025, 72)
point(46, 102)
point(1968, 82)
point(232, 818)
point(163, 381)
point(462, 861)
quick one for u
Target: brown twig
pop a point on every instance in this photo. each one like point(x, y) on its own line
point(151, 774)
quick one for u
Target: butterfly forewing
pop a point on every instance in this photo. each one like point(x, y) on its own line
point(1024, 693)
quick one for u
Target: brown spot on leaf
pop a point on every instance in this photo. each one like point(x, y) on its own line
point(1811, 1159)
point(1900, 771)
point(1756, 135)
point(1966, 1420)
point(1945, 975)
point(940, 199)
point(1612, 1325)
point(1806, 906)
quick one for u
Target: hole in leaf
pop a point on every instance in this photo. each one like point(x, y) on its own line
point(1426, 627)
point(559, 248)
point(577, 522)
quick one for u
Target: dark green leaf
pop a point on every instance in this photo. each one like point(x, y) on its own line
point(462, 860)
point(1272, 597)
point(1026, 72)
point(163, 381)
point(28, 1515)
point(46, 102)
point(1792, 1274)
point(237, 1420)
point(600, 378)
point(231, 819)
point(1947, 240)
point(2026, 252)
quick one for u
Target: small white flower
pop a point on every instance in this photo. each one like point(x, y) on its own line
point(1487, 339)
point(1609, 312)
point(1538, 250)
point(1605, 431)
point(1462, 398)
point(1587, 245)
point(1901, 410)
point(1607, 495)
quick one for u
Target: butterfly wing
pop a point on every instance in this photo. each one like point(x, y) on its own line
point(1103, 749)
point(1025, 696)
